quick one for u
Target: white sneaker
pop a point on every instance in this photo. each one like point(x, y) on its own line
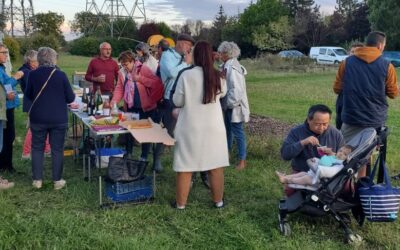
point(37, 184)
point(26, 156)
point(59, 184)
point(5, 184)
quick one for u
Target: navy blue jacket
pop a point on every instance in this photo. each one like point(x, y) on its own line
point(299, 154)
point(51, 106)
point(364, 93)
point(24, 82)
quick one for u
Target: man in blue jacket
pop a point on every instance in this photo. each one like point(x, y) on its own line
point(171, 63)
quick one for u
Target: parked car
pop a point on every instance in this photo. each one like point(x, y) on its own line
point(328, 55)
point(291, 54)
point(393, 57)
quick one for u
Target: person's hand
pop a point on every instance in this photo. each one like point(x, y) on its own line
point(175, 113)
point(188, 58)
point(136, 77)
point(327, 151)
point(73, 105)
point(11, 96)
point(18, 75)
point(99, 78)
point(311, 140)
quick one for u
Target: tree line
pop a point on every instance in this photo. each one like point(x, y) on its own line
point(263, 26)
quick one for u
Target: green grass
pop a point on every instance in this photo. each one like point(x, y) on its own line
point(71, 218)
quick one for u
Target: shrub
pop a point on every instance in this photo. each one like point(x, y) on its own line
point(84, 46)
point(13, 47)
point(270, 62)
point(39, 40)
point(89, 46)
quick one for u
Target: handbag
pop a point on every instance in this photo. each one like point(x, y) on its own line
point(380, 202)
point(124, 169)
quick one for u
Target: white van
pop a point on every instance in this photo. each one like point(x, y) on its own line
point(328, 55)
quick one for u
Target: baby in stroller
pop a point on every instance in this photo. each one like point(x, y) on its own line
point(325, 167)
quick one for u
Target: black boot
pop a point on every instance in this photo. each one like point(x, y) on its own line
point(204, 179)
point(158, 150)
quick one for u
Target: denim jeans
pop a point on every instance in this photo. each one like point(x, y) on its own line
point(235, 130)
point(6, 156)
point(56, 137)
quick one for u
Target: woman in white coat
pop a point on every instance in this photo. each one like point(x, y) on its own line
point(200, 134)
point(235, 104)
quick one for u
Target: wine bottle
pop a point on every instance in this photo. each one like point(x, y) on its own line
point(91, 105)
point(106, 107)
point(85, 100)
point(99, 101)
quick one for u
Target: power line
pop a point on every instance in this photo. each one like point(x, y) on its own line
point(115, 10)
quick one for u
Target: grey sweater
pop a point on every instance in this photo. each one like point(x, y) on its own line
point(298, 154)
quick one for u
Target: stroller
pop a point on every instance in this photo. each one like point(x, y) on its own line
point(335, 196)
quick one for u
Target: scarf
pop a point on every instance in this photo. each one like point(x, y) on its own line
point(129, 91)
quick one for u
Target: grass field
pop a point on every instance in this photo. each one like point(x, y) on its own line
point(70, 218)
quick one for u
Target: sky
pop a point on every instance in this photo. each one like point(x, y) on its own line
point(169, 11)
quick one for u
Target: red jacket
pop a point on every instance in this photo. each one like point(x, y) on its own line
point(147, 80)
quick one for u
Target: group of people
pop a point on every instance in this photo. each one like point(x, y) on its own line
point(363, 83)
point(202, 105)
point(50, 92)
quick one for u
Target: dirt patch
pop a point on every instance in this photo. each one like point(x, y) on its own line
point(267, 126)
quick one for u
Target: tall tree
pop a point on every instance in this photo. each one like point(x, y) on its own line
point(336, 29)
point(218, 26)
point(384, 16)
point(276, 37)
point(346, 7)
point(358, 25)
point(148, 29)
point(48, 23)
point(309, 29)
point(164, 29)
point(263, 12)
point(298, 5)
point(87, 23)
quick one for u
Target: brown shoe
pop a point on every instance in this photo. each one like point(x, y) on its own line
point(241, 165)
point(5, 184)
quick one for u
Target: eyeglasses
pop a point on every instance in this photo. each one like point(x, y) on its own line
point(4, 52)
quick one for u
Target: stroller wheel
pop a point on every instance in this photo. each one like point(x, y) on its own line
point(285, 229)
point(353, 238)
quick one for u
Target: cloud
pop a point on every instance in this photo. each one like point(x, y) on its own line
point(198, 10)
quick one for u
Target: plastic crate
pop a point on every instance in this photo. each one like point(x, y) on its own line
point(105, 154)
point(130, 191)
point(127, 187)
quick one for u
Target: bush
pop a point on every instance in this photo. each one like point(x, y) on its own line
point(84, 46)
point(270, 62)
point(39, 40)
point(89, 46)
point(13, 47)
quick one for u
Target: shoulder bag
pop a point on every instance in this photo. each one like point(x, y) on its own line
point(41, 90)
point(380, 202)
